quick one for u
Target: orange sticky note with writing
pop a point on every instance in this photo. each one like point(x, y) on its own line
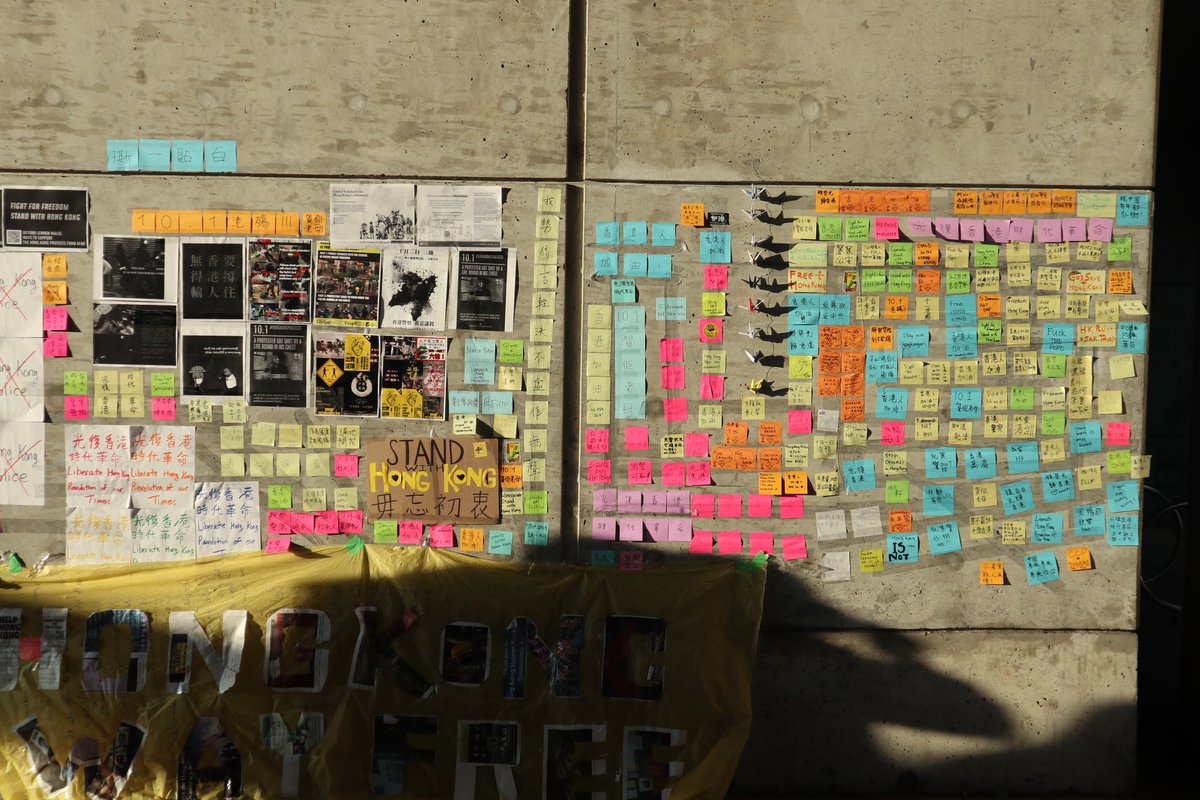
point(470, 539)
point(54, 265)
point(927, 254)
point(262, 223)
point(966, 202)
point(214, 221)
point(1079, 559)
point(313, 223)
point(991, 573)
point(287, 223)
point(54, 293)
point(827, 201)
point(191, 222)
point(1014, 202)
point(238, 222)
point(691, 214)
point(991, 202)
point(166, 221)
point(142, 220)
point(1039, 201)
point(1062, 201)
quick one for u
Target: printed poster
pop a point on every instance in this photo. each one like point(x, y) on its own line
point(279, 365)
point(485, 289)
point(132, 334)
point(371, 214)
point(412, 377)
point(212, 361)
point(280, 279)
point(139, 268)
point(347, 288)
point(21, 291)
point(45, 218)
point(464, 215)
point(415, 286)
point(213, 278)
point(346, 367)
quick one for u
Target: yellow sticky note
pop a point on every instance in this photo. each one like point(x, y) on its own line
point(870, 560)
point(262, 434)
point(712, 304)
point(232, 465)
point(505, 425)
point(348, 437)
point(983, 495)
point(238, 222)
point(290, 436)
point(107, 406)
point(312, 223)
point(1134, 308)
point(804, 228)
point(200, 411)
point(233, 437)
point(287, 223)
point(166, 221)
point(262, 223)
point(54, 293)
point(1088, 478)
point(131, 381)
point(345, 498)
point(262, 465)
point(535, 470)
point(143, 220)
point(463, 424)
point(316, 465)
point(313, 499)
point(133, 406)
point(319, 436)
point(191, 222)
point(1139, 467)
point(983, 526)
point(1012, 531)
point(106, 381)
point(213, 221)
point(54, 265)
point(234, 410)
point(546, 226)
point(287, 465)
point(549, 199)
point(1110, 402)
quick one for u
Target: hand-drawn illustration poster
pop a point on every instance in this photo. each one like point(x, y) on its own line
point(227, 519)
point(415, 281)
point(280, 279)
point(213, 361)
point(45, 217)
point(21, 294)
point(346, 366)
point(97, 465)
point(22, 380)
point(136, 268)
point(133, 335)
point(412, 377)
point(213, 277)
point(464, 215)
point(347, 287)
point(22, 464)
point(363, 214)
point(278, 365)
point(485, 289)
point(454, 479)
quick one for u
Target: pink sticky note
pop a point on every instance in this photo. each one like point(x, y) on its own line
point(345, 465)
point(278, 544)
point(679, 501)
point(409, 531)
point(887, 228)
point(791, 507)
point(1049, 230)
point(674, 377)
point(350, 521)
point(659, 530)
point(729, 543)
point(1100, 229)
point(1020, 230)
point(946, 227)
point(162, 408)
point(712, 387)
point(629, 501)
point(596, 440)
point(702, 543)
point(604, 500)
point(670, 350)
point(762, 542)
point(279, 522)
point(637, 438)
point(794, 547)
point(604, 529)
point(892, 432)
point(712, 330)
point(970, 230)
point(1074, 229)
point(800, 420)
point(55, 345)
point(302, 523)
point(695, 445)
point(997, 230)
point(654, 502)
point(729, 506)
point(630, 560)
point(75, 407)
point(325, 522)
point(759, 506)
point(920, 226)
point(639, 473)
point(674, 473)
point(680, 530)
point(716, 277)
point(699, 473)
point(675, 409)
point(704, 505)
point(441, 535)
point(630, 529)
point(54, 318)
point(599, 470)
point(1117, 433)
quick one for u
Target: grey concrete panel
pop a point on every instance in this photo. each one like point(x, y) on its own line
point(932, 91)
point(305, 87)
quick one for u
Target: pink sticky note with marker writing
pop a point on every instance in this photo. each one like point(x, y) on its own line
point(675, 409)
point(702, 543)
point(409, 531)
point(729, 543)
point(441, 535)
point(674, 377)
point(350, 521)
point(1117, 433)
point(704, 505)
point(716, 277)
point(55, 345)
point(345, 465)
point(670, 350)
point(278, 544)
point(887, 228)
point(302, 523)
point(54, 318)
point(762, 542)
point(279, 522)
point(891, 433)
point(629, 501)
point(712, 387)
point(75, 407)
point(795, 547)
point(325, 522)
point(699, 473)
point(162, 408)
point(599, 470)
point(596, 440)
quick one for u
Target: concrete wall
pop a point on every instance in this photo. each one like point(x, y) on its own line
point(854, 694)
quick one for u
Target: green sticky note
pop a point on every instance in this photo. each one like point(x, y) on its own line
point(162, 384)
point(1054, 423)
point(355, 544)
point(500, 543)
point(874, 280)
point(75, 382)
point(900, 280)
point(987, 255)
point(896, 492)
point(958, 281)
point(858, 229)
point(1120, 249)
point(1020, 398)
point(1120, 462)
point(829, 229)
point(536, 502)
point(603, 558)
point(990, 331)
point(537, 533)
point(1054, 365)
point(386, 531)
point(279, 495)
point(14, 564)
point(900, 254)
point(512, 351)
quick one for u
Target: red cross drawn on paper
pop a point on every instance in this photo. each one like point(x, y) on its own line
point(16, 461)
point(12, 376)
point(7, 293)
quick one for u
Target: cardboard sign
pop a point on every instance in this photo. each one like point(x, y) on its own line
point(453, 479)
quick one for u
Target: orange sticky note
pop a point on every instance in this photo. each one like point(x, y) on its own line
point(900, 520)
point(795, 482)
point(770, 483)
point(1039, 201)
point(313, 223)
point(1079, 559)
point(991, 573)
point(827, 201)
point(966, 202)
point(853, 409)
point(54, 265)
point(926, 254)
point(1014, 202)
point(190, 222)
point(142, 220)
point(166, 221)
point(470, 539)
point(54, 293)
point(1120, 281)
point(991, 202)
point(213, 221)
point(238, 222)
point(287, 223)
point(1062, 201)
point(691, 214)
point(262, 223)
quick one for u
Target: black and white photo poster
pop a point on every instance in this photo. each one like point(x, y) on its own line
point(143, 268)
point(213, 278)
point(415, 282)
point(278, 365)
point(485, 284)
point(133, 334)
point(280, 279)
point(212, 361)
point(371, 214)
point(347, 288)
point(45, 217)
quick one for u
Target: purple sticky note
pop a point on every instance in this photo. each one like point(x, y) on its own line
point(345, 465)
point(759, 505)
point(997, 230)
point(681, 530)
point(630, 529)
point(729, 543)
point(629, 501)
point(704, 505)
point(674, 473)
point(1074, 229)
point(654, 502)
point(1049, 230)
point(54, 318)
point(1020, 230)
point(970, 230)
point(604, 528)
point(659, 529)
point(679, 502)
point(920, 226)
point(1100, 229)
point(604, 500)
point(947, 228)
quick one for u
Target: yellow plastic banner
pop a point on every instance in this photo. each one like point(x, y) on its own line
point(388, 671)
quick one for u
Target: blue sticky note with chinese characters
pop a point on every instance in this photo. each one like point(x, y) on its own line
point(1089, 520)
point(500, 543)
point(1022, 457)
point(1084, 437)
point(634, 233)
point(716, 247)
point(944, 538)
point(1133, 209)
point(659, 265)
point(1017, 497)
point(902, 548)
point(980, 463)
point(122, 155)
point(891, 403)
point(962, 343)
point(860, 475)
point(966, 403)
point(1041, 567)
point(941, 462)
point(939, 501)
point(634, 264)
point(496, 403)
point(662, 234)
point(187, 155)
point(154, 155)
point(1123, 529)
point(1123, 496)
point(537, 533)
point(624, 290)
point(606, 263)
point(835, 309)
point(803, 340)
point(1046, 529)
point(220, 156)
point(1058, 485)
point(882, 367)
point(608, 233)
point(1131, 337)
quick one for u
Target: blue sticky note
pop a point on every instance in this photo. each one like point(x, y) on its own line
point(891, 403)
point(803, 340)
point(1058, 485)
point(672, 309)
point(1058, 337)
point(716, 247)
point(966, 403)
point(1017, 497)
point(882, 367)
point(122, 155)
point(662, 234)
point(835, 309)
point(634, 233)
point(860, 475)
point(624, 290)
point(902, 548)
point(1133, 209)
point(606, 263)
point(635, 264)
point(500, 543)
point(1131, 337)
point(1022, 457)
point(1123, 496)
point(944, 538)
point(496, 403)
point(805, 309)
point(602, 558)
point(1046, 529)
point(537, 533)
point(1089, 520)
point(187, 155)
point(980, 463)
point(941, 462)
point(962, 343)
point(961, 310)
point(220, 156)
point(1123, 529)
point(914, 340)
point(479, 361)
point(154, 155)
point(1084, 437)
point(939, 501)
point(608, 233)
point(660, 265)
point(464, 402)
point(1041, 567)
